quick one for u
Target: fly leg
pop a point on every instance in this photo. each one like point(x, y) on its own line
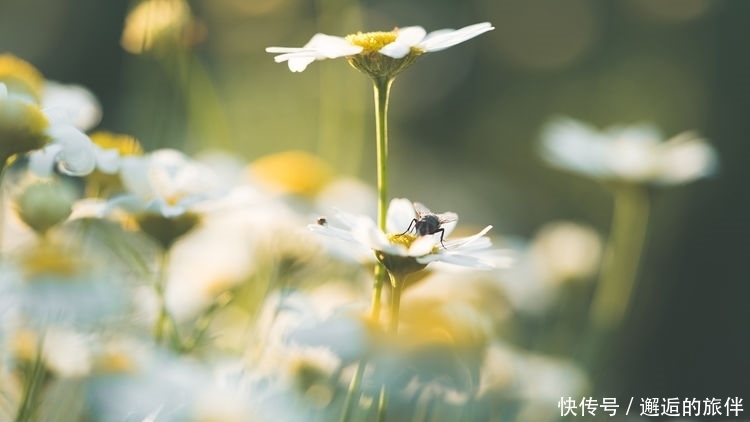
point(413, 223)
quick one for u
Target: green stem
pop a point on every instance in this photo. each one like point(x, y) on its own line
point(165, 324)
point(382, 403)
point(29, 400)
point(397, 285)
point(6, 164)
point(382, 90)
point(622, 256)
point(354, 386)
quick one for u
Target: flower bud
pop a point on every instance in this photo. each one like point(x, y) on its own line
point(166, 230)
point(44, 204)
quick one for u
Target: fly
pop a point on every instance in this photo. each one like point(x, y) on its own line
point(428, 223)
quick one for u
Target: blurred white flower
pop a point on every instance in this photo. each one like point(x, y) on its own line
point(71, 150)
point(459, 308)
point(165, 182)
point(398, 242)
point(68, 147)
point(72, 104)
point(559, 252)
point(530, 381)
point(208, 262)
point(566, 251)
point(627, 153)
point(324, 324)
point(146, 385)
point(395, 44)
point(111, 147)
point(54, 284)
point(67, 353)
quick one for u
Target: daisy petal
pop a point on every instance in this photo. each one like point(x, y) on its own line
point(75, 103)
point(78, 156)
point(332, 47)
point(686, 157)
point(406, 39)
point(411, 35)
point(299, 64)
point(396, 50)
point(446, 38)
point(457, 259)
point(42, 161)
point(423, 245)
point(570, 144)
point(465, 241)
point(400, 215)
point(107, 160)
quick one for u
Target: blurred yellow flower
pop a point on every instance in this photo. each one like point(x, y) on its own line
point(295, 172)
point(21, 77)
point(157, 24)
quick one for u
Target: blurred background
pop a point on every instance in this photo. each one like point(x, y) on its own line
point(464, 128)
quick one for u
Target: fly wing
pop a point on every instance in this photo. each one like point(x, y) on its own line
point(421, 209)
point(447, 217)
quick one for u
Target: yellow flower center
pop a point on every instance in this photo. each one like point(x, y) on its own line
point(50, 259)
point(372, 41)
point(115, 362)
point(22, 127)
point(124, 144)
point(20, 74)
point(24, 345)
point(296, 172)
point(405, 239)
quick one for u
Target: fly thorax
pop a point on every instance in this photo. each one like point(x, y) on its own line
point(428, 224)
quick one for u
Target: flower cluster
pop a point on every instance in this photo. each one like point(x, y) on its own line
point(45, 120)
point(156, 285)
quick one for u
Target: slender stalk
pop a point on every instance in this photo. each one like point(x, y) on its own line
point(29, 400)
point(165, 324)
point(382, 90)
point(382, 403)
point(622, 256)
point(397, 285)
point(5, 164)
point(354, 386)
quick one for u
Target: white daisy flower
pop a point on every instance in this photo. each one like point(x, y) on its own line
point(165, 182)
point(401, 44)
point(53, 284)
point(73, 104)
point(627, 153)
point(70, 150)
point(67, 146)
point(407, 246)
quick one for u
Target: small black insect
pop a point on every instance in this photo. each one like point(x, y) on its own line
point(322, 221)
point(428, 222)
